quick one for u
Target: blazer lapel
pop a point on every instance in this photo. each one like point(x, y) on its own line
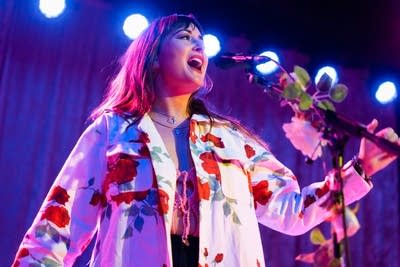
point(164, 170)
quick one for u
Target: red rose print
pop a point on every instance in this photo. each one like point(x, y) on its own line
point(144, 137)
point(261, 193)
point(22, 253)
point(219, 257)
point(144, 151)
point(120, 172)
point(210, 165)
point(309, 200)
point(323, 190)
point(128, 197)
point(205, 252)
point(192, 134)
point(213, 139)
point(203, 190)
point(163, 204)
point(249, 151)
point(59, 195)
point(57, 215)
point(98, 198)
point(15, 264)
point(258, 263)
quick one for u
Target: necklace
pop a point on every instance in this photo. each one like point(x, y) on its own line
point(176, 130)
point(168, 118)
point(185, 124)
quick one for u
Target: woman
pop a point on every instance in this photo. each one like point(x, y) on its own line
point(164, 181)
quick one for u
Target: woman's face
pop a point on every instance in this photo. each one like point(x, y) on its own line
point(182, 64)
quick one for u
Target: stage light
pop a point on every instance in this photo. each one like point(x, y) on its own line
point(51, 8)
point(134, 25)
point(211, 45)
point(386, 92)
point(328, 70)
point(270, 66)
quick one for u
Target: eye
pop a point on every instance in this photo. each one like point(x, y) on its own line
point(185, 37)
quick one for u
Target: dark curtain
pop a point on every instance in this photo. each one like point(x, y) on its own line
point(53, 73)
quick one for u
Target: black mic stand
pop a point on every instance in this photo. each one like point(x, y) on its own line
point(337, 131)
point(337, 143)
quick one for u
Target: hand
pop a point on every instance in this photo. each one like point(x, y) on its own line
point(373, 158)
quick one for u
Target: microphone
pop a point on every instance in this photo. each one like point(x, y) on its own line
point(228, 60)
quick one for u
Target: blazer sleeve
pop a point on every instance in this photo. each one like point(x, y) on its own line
point(66, 221)
point(279, 202)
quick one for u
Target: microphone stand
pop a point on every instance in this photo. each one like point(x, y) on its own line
point(338, 129)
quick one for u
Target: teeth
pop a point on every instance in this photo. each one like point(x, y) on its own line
point(198, 61)
point(195, 62)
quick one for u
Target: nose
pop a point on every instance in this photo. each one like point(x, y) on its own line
point(198, 45)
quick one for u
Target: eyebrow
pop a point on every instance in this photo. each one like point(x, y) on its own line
point(190, 32)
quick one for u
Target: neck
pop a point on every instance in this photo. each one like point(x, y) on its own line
point(172, 105)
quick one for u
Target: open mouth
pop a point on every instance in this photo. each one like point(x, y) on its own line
point(195, 62)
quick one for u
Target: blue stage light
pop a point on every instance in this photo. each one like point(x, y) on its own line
point(134, 25)
point(211, 45)
point(270, 66)
point(328, 70)
point(52, 8)
point(386, 92)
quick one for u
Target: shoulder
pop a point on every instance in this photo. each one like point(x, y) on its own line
point(114, 124)
point(226, 128)
point(245, 135)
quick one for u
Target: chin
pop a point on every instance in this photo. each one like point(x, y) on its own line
point(194, 85)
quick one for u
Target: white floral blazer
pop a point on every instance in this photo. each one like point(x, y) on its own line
point(119, 182)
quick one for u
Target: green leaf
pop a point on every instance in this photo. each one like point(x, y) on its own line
point(305, 101)
point(152, 197)
point(227, 209)
point(108, 211)
point(52, 231)
point(132, 211)
point(231, 200)
point(50, 262)
point(125, 187)
point(91, 181)
point(235, 218)
point(338, 92)
point(291, 91)
point(324, 83)
point(155, 156)
point(157, 149)
point(40, 230)
point(139, 222)
point(326, 105)
point(128, 232)
point(67, 241)
point(218, 196)
point(56, 237)
point(147, 210)
point(302, 76)
point(316, 237)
